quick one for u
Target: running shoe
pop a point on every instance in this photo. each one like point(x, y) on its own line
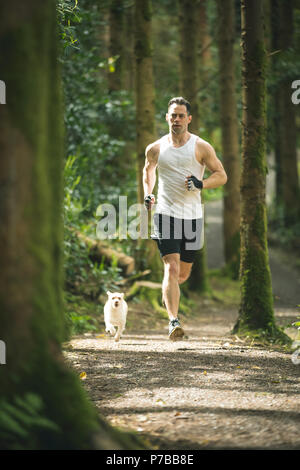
point(175, 330)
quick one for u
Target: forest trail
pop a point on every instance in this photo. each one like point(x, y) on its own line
point(210, 390)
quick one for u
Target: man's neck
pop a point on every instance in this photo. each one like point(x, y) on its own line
point(178, 140)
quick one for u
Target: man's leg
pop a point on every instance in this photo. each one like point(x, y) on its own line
point(170, 285)
point(171, 293)
point(184, 271)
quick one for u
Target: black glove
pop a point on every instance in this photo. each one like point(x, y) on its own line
point(148, 199)
point(193, 183)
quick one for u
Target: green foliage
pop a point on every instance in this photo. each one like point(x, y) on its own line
point(83, 276)
point(67, 13)
point(81, 314)
point(23, 424)
point(75, 254)
point(273, 334)
point(98, 124)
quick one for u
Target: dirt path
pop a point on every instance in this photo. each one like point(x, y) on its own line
point(209, 391)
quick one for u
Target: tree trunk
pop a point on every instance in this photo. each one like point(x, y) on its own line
point(275, 100)
point(43, 405)
point(256, 307)
point(129, 50)
point(230, 136)
point(188, 10)
point(116, 46)
point(188, 58)
point(204, 61)
point(99, 251)
point(287, 124)
point(148, 256)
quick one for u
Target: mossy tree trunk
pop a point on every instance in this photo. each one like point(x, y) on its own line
point(147, 255)
point(57, 413)
point(256, 308)
point(230, 135)
point(189, 80)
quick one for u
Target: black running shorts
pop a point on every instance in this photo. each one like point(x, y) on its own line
point(174, 235)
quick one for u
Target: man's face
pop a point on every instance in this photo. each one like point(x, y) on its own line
point(178, 118)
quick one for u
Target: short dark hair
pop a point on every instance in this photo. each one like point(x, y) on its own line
point(182, 101)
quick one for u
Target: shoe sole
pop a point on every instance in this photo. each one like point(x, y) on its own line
point(177, 333)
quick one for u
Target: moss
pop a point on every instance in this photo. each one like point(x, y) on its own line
point(256, 306)
point(271, 335)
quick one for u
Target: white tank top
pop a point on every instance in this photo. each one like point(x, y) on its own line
point(174, 165)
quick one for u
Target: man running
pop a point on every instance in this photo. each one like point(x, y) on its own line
point(181, 158)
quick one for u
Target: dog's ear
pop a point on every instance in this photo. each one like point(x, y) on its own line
point(122, 295)
point(108, 293)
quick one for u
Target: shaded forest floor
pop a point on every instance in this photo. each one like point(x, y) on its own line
point(212, 390)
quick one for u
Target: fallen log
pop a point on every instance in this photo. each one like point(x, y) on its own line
point(133, 278)
point(99, 251)
point(139, 285)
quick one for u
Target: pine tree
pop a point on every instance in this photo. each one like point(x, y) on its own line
point(230, 135)
point(188, 10)
point(43, 405)
point(256, 308)
point(148, 256)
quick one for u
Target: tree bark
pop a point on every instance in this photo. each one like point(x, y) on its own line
point(230, 135)
point(56, 413)
point(256, 307)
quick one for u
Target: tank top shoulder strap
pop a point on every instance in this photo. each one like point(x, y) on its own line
point(163, 142)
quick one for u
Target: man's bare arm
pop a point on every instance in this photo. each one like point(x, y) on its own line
point(207, 156)
point(149, 171)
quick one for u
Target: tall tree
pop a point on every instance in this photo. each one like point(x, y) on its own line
point(129, 58)
point(188, 26)
point(230, 134)
point(287, 123)
point(275, 99)
point(256, 308)
point(188, 57)
point(116, 59)
point(42, 402)
point(145, 117)
point(204, 59)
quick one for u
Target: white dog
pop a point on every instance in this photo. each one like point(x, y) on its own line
point(115, 313)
